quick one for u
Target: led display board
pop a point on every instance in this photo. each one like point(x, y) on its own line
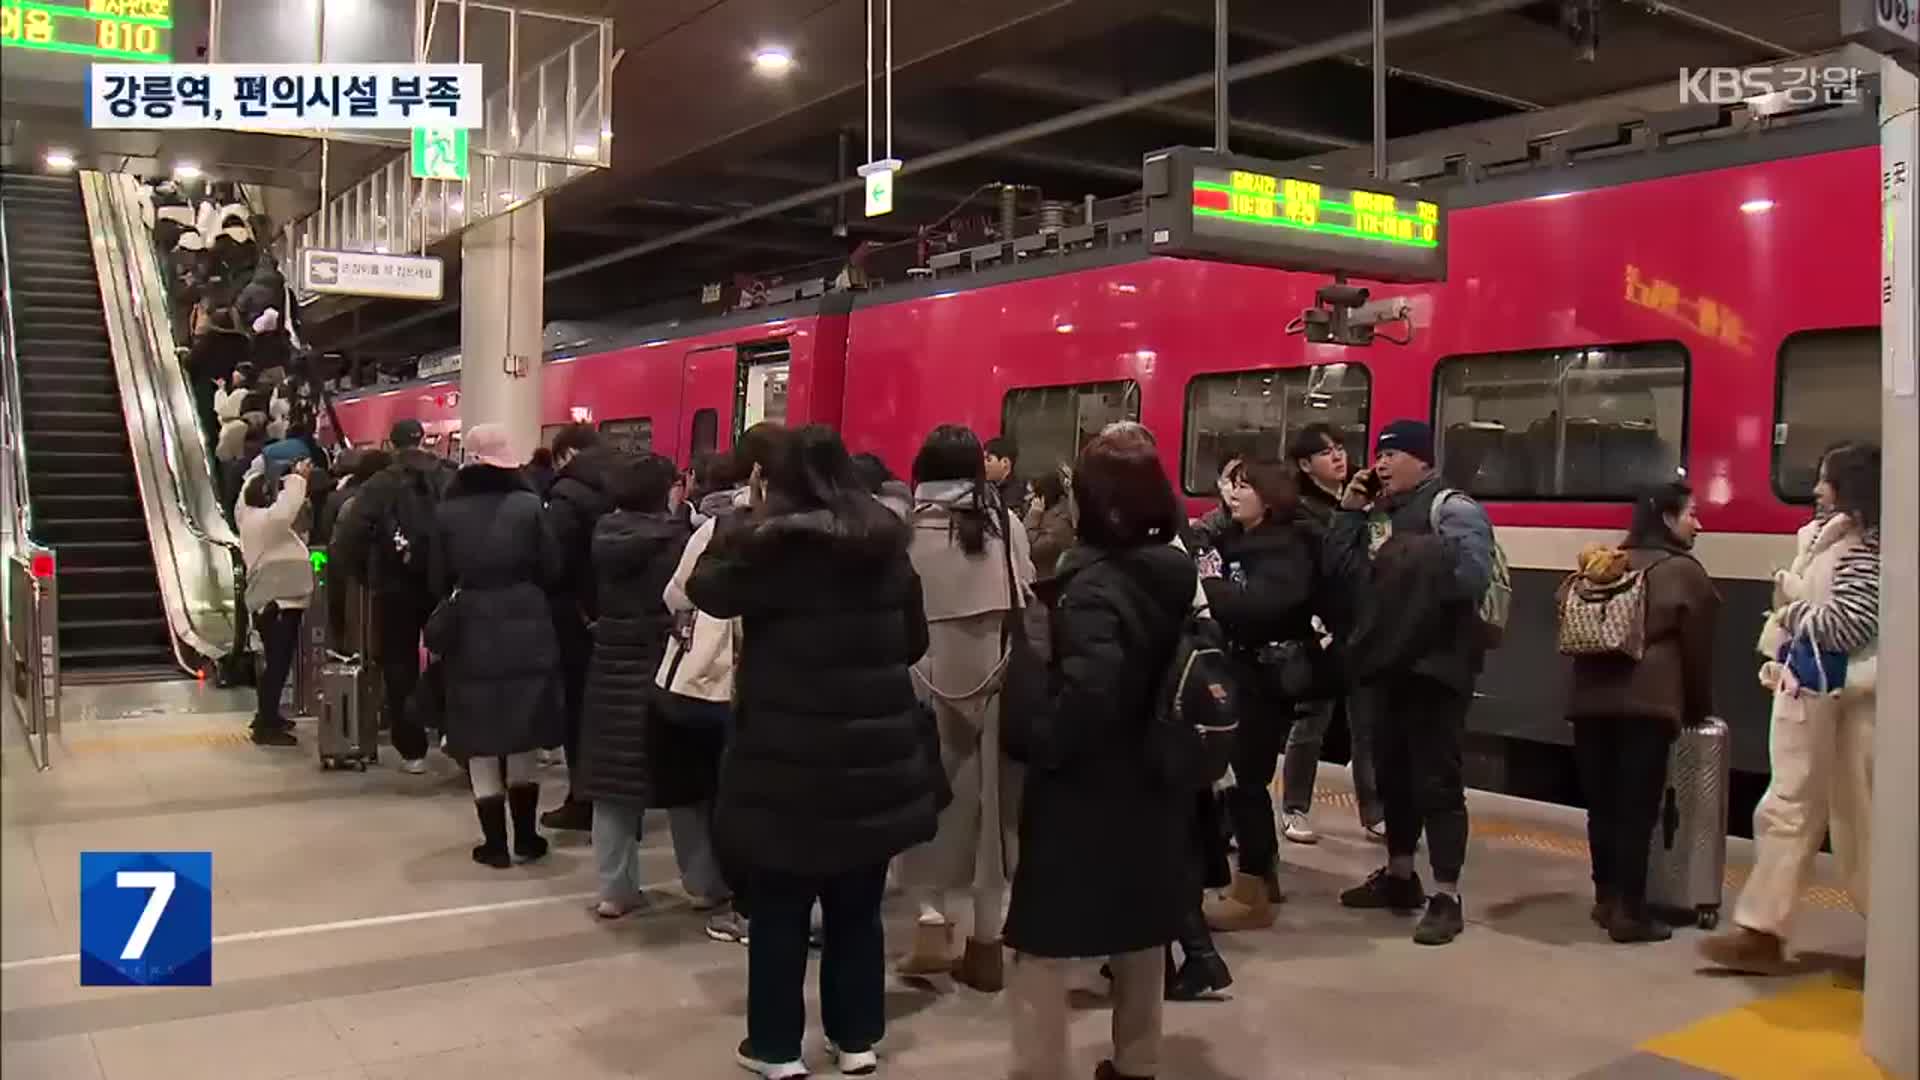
point(137, 30)
point(1209, 205)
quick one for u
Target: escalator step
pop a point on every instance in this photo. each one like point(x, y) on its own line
point(98, 580)
point(55, 532)
point(46, 298)
point(78, 442)
point(100, 381)
point(50, 420)
point(98, 401)
point(113, 633)
point(106, 554)
point(79, 461)
point(53, 489)
point(69, 363)
point(87, 607)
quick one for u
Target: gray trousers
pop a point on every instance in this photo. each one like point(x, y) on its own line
point(1302, 763)
point(693, 852)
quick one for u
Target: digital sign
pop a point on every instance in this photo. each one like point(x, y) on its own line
point(1205, 204)
point(139, 30)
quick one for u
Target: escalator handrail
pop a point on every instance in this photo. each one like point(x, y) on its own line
point(16, 432)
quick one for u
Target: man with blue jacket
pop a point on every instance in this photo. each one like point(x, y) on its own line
point(1424, 682)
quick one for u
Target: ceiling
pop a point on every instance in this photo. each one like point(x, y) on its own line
point(699, 137)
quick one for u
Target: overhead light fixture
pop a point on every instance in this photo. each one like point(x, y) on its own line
point(1756, 206)
point(186, 170)
point(59, 160)
point(772, 60)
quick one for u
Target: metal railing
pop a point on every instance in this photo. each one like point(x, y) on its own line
point(196, 553)
point(29, 594)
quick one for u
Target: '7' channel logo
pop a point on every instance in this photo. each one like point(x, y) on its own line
point(1798, 85)
point(146, 918)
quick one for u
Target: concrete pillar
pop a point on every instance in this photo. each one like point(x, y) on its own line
point(1893, 946)
point(502, 262)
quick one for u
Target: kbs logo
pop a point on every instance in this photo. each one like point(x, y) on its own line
point(1797, 85)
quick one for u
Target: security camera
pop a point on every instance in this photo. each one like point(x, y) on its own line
point(1346, 296)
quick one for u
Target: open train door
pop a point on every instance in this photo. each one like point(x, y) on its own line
point(726, 389)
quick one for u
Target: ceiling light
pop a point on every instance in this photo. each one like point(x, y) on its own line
point(772, 60)
point(1756, 206)
point(186, 170)
point(59, 160)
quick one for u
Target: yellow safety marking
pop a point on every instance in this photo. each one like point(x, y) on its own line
point(1574, 846)
point(179, 740)
point(1811, 1032)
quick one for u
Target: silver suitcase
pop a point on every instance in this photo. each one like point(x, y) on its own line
point(1687, 862)
point(349, 733)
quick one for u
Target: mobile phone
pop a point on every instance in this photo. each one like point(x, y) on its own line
point(1370, 481)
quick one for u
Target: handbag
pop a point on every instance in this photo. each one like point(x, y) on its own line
point(1298, 670)
point(438, 634)
point(1604, 619)
point(1822, 671)
point(1025, 693)
point(679, 708)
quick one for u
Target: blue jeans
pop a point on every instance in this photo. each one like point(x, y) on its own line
point(693, 852)
point(616, 850)
point(853, 970)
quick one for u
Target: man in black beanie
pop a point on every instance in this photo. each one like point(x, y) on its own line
point(1422, 696)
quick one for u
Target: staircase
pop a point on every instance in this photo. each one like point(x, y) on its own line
point(86, 501)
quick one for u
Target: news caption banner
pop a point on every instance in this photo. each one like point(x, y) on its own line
point(285, 97)
point(146, 918)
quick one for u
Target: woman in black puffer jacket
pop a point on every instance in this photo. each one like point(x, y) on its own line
point(1261, 591)
point(635, 550)
point(830, 770)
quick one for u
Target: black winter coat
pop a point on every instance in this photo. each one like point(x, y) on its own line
point(634, 556)
point(575, 504)
point(828, 768)
point(1271, 575)
point(1107, 852)
point(502, 663)
point(355, 546)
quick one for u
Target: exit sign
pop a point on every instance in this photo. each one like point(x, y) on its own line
point(439, 153)
point(879, 176)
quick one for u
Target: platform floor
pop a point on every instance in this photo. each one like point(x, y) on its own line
point(355, 940)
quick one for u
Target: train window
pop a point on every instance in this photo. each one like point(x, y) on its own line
point(706, 432)
point(550, 432)
point(1595, 423)
point(633, 436)
point(1828, 392)
point(762, 388)
point(1049, 424)
point(1252, 413)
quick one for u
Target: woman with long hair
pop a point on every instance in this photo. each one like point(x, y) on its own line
point(1626, 712)
point(1049, 521)
point(829, 772)
point(1823, 648)
point(1105, 864)
point(974, 566)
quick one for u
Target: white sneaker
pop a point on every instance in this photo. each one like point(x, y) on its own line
point(1376, 832)
point(413, 766)
point(772, 1070)
point(1295, 827)
point(854, 1062)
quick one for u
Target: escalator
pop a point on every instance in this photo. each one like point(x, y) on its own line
point(85, 492)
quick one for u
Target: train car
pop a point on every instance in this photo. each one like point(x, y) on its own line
point(1708, 311)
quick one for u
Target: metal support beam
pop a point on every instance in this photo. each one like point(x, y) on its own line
point(1220, 110)
point(1041, 84)
point(1714, 26)
point(1379, 28)
point(1426, 22)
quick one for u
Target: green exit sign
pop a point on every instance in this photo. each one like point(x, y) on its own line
point(439, 153)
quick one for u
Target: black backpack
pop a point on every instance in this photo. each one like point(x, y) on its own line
point(1197, 717)
point(405, 539)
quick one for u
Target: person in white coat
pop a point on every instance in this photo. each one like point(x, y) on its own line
point(1821, 644)
point(272, 521)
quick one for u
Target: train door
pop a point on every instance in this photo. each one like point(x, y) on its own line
point(766, 370)
point(707, 380)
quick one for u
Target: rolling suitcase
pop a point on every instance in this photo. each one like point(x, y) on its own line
point(349, 734)
point(1687, 862)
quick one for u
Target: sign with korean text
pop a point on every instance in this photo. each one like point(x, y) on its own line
point(146, 918)
point(362, 273)
point(439, 153)
point(284, 97)
point(137, 30)
point(1887, 25)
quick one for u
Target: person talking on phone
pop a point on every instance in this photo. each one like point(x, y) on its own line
point(1424, 688)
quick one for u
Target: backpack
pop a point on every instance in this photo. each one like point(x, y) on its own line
point(405, 539)
point(1497, 602)
point(1197, 717)
point(1604, 618)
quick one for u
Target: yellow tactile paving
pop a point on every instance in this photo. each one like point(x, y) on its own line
point(175, 740)
point(1811, 1032)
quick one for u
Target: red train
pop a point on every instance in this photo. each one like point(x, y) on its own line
point(1709, 308)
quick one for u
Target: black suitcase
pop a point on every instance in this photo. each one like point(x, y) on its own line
point(1687, 861)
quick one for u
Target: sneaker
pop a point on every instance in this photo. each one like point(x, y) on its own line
point(413, 766)
point(1383, 890)
point(772, 1070)
point(1376, 832)
point(1442, 922)
point(274, 736)
point(854, 1062)
point(728, 926)
point(1294, 826)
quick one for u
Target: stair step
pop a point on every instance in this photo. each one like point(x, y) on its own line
point(106, 605)
point(77, 442)
point(49, 421)
point(55, 492)
point(56, 532)
point(98, 580)
point(114, 554)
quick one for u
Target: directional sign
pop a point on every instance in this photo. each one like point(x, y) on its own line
point(361, 273)
point(439, 153)
point(879, 176)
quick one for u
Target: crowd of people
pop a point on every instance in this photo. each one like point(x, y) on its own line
point(830, 679)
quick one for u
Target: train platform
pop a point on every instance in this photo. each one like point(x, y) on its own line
point(355, 940)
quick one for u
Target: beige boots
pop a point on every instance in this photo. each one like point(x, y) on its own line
point(1246, 905)
point(981, 965)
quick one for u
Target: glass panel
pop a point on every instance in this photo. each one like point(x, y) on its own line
point(1829, 393)
point(550, 432)
point(1253, 413)
point(1049, 424)
point(1593, 423)
point(706, 432)
point(629, 436)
